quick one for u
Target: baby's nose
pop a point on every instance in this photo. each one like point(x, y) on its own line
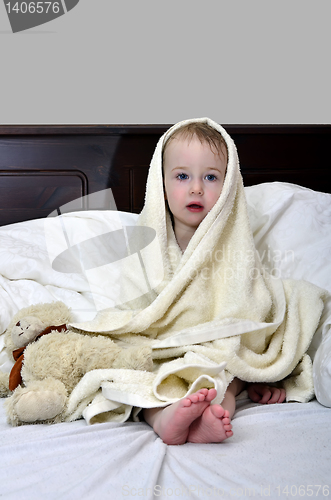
point(196, 186)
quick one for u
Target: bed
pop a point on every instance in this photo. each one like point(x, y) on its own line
point(277, 451)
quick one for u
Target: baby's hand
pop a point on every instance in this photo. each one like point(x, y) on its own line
point(265, 394)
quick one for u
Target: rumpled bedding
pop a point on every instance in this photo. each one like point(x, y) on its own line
point(277, 451)
point(291, 227)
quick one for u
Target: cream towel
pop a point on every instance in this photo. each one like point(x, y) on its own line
point(211, 305)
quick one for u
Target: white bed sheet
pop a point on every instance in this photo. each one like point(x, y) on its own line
point(273, 448)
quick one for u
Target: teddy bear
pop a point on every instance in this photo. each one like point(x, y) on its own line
point(50, 359)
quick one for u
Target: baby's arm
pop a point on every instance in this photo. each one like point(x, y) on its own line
point(265, 394)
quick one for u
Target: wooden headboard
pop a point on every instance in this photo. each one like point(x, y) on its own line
point(45, 167)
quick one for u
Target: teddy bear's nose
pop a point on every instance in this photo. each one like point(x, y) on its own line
point(18, 324)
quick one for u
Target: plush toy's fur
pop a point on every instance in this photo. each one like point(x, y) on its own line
point(55, 363)
point(54, 313)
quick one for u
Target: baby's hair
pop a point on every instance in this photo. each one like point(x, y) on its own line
point(204, 132)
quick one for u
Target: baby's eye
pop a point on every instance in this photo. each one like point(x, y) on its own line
point(182, 177)
point(211, 177)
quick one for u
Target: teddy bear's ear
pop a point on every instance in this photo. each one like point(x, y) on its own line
point(26, 330)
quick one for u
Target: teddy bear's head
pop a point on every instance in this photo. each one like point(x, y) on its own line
point(26, 330)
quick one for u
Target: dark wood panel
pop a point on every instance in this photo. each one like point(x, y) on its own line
point(316, 179)
point(91, 156)
point(88, 159)
point(131, 189)
point(283, 151)
point(36, 193)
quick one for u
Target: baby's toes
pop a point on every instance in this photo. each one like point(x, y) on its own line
point(218, 411)
point(203, 391)
point(227, 427)
point(196, 397)
point(211, 394)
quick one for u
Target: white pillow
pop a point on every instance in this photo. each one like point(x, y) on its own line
point(292, 230)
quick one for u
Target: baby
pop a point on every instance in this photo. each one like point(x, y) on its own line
point(194, 169)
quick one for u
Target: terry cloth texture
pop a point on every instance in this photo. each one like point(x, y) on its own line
point(211, 313)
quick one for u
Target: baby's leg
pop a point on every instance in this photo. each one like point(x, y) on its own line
point(172, 423)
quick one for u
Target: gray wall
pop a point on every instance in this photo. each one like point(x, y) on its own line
point(160, 61)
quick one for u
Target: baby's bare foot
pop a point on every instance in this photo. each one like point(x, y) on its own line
point(173, 422)
point(213, 426)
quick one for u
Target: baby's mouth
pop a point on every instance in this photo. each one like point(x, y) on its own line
point(194, 207)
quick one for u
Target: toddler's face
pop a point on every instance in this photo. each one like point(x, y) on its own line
point(193, 180)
